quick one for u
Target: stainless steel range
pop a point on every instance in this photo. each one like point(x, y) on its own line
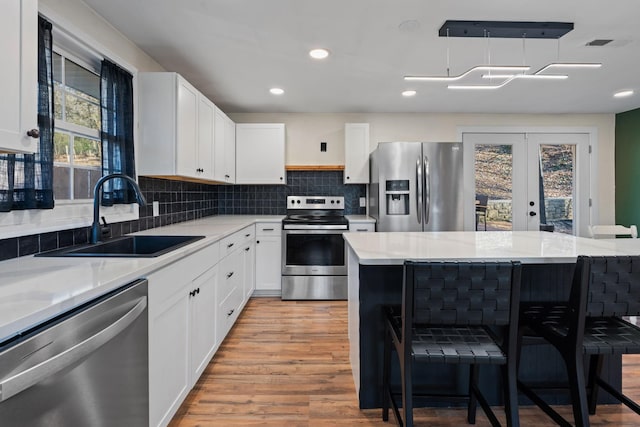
point(313, 251)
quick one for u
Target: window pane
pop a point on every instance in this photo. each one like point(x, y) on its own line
point(82, 112)
point(494, 184)
point(83, 182)
point(61, 147)
point(557, 186)
point(61, 185)
point(57, 68)
point(58, 92)
point(86, 152)
point(82, 80)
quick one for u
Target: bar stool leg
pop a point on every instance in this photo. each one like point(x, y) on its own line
point(595, 368)
point(473, 401)
point(407, 391)
point(386, 372)
point(575, 372)
point(510, 385)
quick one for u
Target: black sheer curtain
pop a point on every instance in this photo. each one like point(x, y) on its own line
point(26, 180)
point(116, 112)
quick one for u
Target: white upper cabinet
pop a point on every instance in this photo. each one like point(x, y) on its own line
point(260, 153)
point(176, 128)
point(19, 76)
point(356, 153)
point(224, 148)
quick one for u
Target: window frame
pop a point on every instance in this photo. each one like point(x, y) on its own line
point(69, 214)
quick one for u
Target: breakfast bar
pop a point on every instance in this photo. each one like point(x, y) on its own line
point(375, 277)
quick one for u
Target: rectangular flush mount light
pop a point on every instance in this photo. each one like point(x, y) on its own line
point(505, 29)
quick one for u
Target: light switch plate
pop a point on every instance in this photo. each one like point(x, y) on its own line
point(156, 208)
point(363, 202)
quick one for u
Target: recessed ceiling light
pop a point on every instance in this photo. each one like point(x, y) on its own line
point(409, 93)
point(276, 91)
point(623, 93)
point(318, 53)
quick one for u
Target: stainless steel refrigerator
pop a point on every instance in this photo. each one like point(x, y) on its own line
point(416, 186)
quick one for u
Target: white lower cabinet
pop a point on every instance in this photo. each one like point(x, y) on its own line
point(202, 296)
point(249, 267)
point(268, 259)
point(182, 334)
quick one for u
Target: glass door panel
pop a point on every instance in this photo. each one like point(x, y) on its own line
point(493, 187)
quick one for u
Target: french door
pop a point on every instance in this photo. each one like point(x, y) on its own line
point(528, 181)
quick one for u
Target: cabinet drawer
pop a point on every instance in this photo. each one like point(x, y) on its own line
point(228, 312)
point(235, 240)
point(247, 234)
point(268, 229)
point(362, 227)
point(230, 270)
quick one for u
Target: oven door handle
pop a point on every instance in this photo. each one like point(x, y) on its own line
point(315, 231)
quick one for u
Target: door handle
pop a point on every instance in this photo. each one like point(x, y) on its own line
point(427, 190)
point(419, 191)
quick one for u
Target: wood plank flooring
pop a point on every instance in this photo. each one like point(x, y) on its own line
point(287, 363)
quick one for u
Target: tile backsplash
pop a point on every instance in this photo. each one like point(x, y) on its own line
point(184, 201)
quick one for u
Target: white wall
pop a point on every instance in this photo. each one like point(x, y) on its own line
point(305, 132)
point(76, 16)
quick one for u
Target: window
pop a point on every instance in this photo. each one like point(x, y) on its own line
point(77, 156)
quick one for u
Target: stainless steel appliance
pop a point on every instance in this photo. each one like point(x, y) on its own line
point(416, 186)
point(88, 367)
point(313, 251)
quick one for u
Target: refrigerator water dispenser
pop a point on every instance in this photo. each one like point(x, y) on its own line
point(397, 195)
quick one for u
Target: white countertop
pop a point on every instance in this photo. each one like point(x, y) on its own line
point(529, 247)
point(360, 218)
point(35, 289)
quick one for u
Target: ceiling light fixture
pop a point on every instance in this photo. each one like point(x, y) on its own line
point(319, 53)
point(504, 29)
point(276, 91)
point(409, 93)
point(623, 93)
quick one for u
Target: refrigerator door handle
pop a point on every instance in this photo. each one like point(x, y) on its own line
point(419, 190)
point(427, 190)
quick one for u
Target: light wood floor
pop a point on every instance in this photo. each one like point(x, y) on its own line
point(287, 364)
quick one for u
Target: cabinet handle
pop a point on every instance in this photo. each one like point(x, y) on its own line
point(34, 133)
point(192, 293)
point(348, 177)
point(229, 245)
point(247, 235)
point(230, 312)
point(281, 178)
point(257, 242)
point(227, 176)
point(267, 229)
point(247, 248)
point(197, 290)
point(361, 229)
point(229, 275)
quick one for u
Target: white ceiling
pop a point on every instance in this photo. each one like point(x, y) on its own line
point(235, 50)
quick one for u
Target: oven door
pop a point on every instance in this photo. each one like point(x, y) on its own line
point(313, 252)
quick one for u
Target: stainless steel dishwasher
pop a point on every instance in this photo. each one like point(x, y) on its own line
point(87, 367)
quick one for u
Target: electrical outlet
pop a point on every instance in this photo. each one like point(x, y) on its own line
point(363, 202)
point(156, 208)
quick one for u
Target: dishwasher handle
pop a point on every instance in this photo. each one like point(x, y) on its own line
point(25, 379)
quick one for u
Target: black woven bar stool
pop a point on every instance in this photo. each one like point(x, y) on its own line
point(446, 314)
point(603, 290)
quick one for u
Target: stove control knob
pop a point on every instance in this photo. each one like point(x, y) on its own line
point(333, 201)
point(293, 202)
point(338, 201)
point(298, 201)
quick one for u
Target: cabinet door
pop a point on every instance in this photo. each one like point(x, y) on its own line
point(169, 379)
point(268, 264)
point(224, 148)
point(230, 150)
point(260, 153)
point(19, 75)
point(202, 297)
point(206, 122)
point(356, 153)
point(249, 263)
point(187, 131)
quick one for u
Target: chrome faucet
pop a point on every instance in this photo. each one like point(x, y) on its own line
point(95, 227)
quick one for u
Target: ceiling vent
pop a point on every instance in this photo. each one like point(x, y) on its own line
point(599, 42)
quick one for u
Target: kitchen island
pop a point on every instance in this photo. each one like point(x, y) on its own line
point(375, 278)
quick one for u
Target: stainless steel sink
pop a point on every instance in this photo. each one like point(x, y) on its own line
point(127, 246)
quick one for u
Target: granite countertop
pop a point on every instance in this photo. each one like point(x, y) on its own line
point(529, 247)
point(35, 289)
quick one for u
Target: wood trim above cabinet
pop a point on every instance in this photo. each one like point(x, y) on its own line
point(314, 167)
